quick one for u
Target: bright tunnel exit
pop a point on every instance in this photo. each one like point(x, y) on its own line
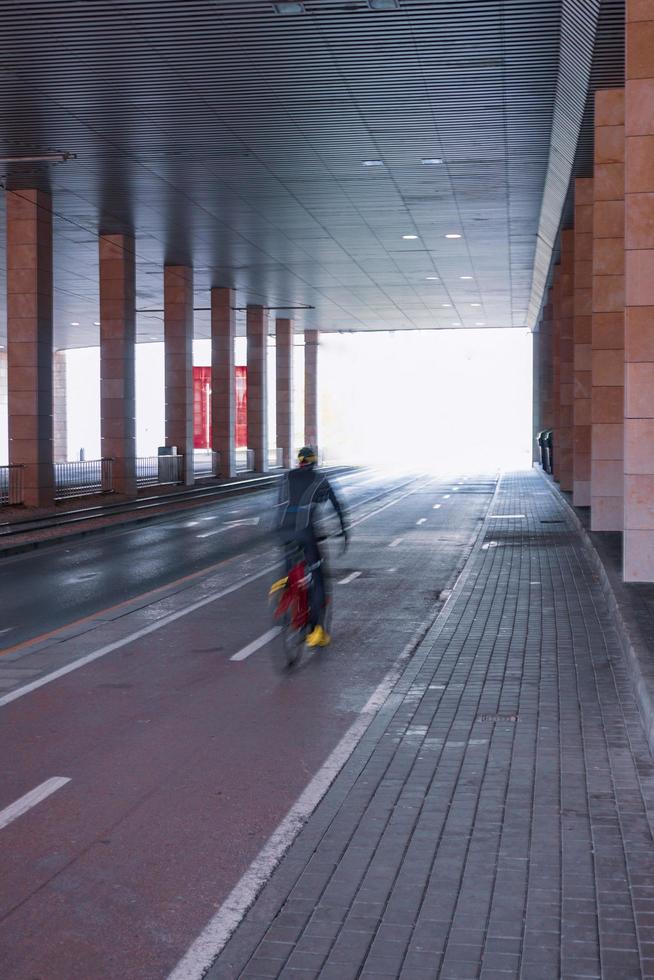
point(441, 401)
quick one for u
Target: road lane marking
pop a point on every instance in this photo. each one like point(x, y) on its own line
point(436, 507)
point(446, 496)
point(423, 520)
point(132, 637)
point(244, 522)
point(257, 644)
point(7, 629)
point(30, 799)
point(349, 578)
point(395, 543)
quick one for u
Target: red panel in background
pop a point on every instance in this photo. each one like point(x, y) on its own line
point(241, 407)
point(202, 407)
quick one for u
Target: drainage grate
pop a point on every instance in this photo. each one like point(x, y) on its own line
point(497, 718)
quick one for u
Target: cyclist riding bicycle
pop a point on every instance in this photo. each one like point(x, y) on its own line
point(301, 491)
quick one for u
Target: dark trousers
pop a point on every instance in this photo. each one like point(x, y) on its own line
point(305, 540)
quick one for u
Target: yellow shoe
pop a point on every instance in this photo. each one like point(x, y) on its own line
point(276, 586)
point(318, 637)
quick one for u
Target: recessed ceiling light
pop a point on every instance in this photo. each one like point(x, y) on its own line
point(480, 323)
point(41, 158)
point(384, 4)
point(453, 236)
point(96, 323)
point(154, 338)
point(373, 163)
point(456, 324)
point(432, 278)
point(465, 277)
point(447, 305)
point(289, 8)
point(475, 304)
point(409, 238)
point(429, 160)
point(74, 323)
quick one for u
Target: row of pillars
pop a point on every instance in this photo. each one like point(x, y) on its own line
point(31, 375)
point(596, 336)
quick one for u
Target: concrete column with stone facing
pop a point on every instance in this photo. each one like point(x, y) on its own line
point(311, 387)
point(178, 346)
point(547, 365)
point(4, 449)
point(639, 294)
point(583, 307)
point(607, 400)
point(59, 426)
point(257, 393)
point(284, 377)
point(117, 340)
point(29, 342)
point(223, 395)
point(556, 363)
point(566, 347)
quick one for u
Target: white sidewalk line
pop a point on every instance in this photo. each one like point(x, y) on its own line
point(26, 802)
point(257, 644)
point(349, 578)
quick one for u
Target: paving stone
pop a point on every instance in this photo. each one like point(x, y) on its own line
point(494, 821)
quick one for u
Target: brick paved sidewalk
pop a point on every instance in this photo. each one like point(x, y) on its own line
point(494, 820)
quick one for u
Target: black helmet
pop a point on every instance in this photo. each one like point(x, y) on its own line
point(307, 456)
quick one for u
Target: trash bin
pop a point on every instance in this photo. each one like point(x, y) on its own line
point(165, 463)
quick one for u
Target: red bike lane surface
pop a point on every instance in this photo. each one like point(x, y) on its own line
point(182, 763)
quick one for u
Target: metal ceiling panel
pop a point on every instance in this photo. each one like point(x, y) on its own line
point(232, 138)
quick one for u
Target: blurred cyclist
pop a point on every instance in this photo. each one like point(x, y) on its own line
point(301, 491)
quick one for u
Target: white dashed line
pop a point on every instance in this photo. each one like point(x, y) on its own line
point(257, 644)
point(423, 520)
point(30, 799)
point(446, 496)
point(395, 543)
point(436, 507)
point(349, 578)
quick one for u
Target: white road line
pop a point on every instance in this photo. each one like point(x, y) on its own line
point(257, 644)
point(211, 940)
point(7, 629)
point(30, 799)
point(110, 647)
point(446, 496)
point(423, 520)
point(350, 578)
point(395, 543)
point(436, 506)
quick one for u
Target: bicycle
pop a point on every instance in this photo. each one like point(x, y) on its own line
point(291, 600)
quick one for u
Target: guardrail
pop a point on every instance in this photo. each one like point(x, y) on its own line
point(11, 485)
point(83, 478)
point(153, 470)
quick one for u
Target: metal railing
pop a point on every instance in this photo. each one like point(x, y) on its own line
point(205, 463)
point(82, 478)
point(244, 460)
point(11, 485)
point(152, 470)
point(275, 458)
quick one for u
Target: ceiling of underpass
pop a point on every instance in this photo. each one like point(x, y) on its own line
point(238, 139)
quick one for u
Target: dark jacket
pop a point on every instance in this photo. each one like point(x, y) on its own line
point(301, 491)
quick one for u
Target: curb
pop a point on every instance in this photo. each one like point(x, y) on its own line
point(637, 655)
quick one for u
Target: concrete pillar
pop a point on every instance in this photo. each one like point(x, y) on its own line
point(607, 408)
point(117, 339)
point(583, 308)
point(223, 398)
point(639, 294)
point(4, 450)
point(284, 404)
point(556, 364)
point(178, 346)
point(29, 341)
point(566, 348)
point(257, 393)
point(59, 424)
point(311, 387)
point(547, 365)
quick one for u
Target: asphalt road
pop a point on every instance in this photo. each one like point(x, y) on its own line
point(179, 760)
